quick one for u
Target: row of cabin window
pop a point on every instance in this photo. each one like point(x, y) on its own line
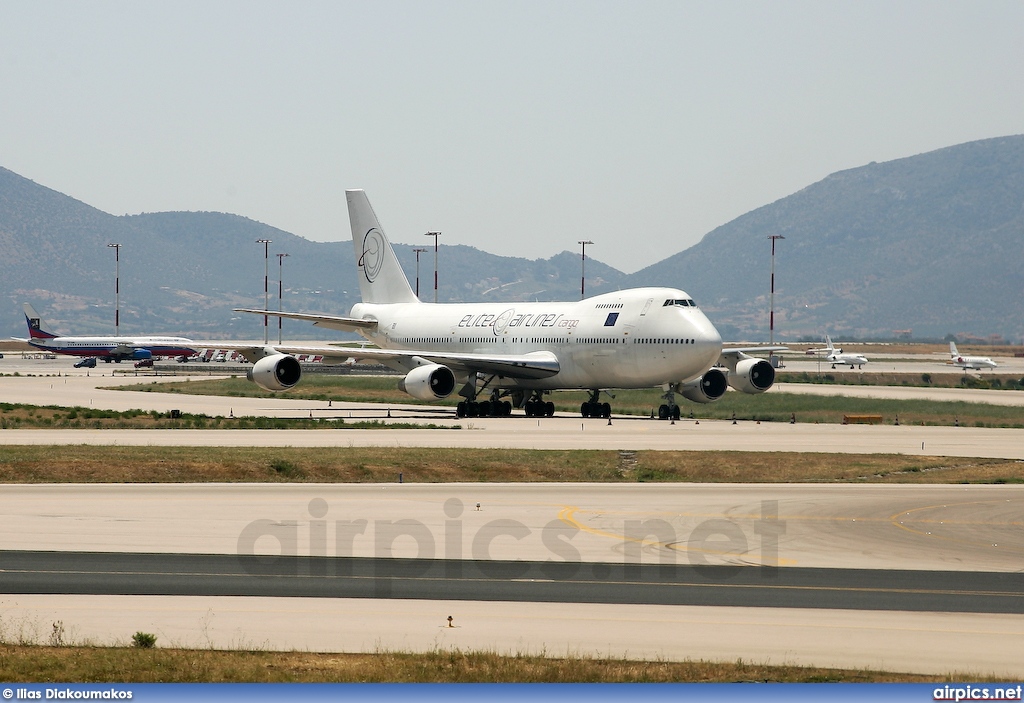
point(557, 340)
point(650, 340)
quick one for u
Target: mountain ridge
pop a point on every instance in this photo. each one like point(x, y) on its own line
point(928, 242)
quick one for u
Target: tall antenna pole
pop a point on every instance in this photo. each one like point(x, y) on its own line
point(583, 267)
point(280, 291)
point(435, 235)
point(117, 288)
point(266, 285)
point(771, 304)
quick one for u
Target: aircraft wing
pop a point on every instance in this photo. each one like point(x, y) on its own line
point(334, 322)
point(539, 364)
point(734, 354)
point(124, 349)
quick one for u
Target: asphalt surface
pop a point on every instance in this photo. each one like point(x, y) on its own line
point(510, 581)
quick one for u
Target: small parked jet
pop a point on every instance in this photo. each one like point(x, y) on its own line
point(836, 355)
point(106, 348)
point(969, 362)
point(500, 355)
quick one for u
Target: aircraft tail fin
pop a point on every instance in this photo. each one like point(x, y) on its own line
point(381, 279)
point(35, 324)
point(952, 350)
point(828, 343)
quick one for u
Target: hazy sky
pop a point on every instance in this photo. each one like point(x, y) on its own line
point(517, 127)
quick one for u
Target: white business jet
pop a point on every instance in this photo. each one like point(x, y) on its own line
point(969, 362)
point(500, 355)
point(835, 355)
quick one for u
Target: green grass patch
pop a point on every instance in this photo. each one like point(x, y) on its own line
point(19, 416)
point(29, 664)
point(120, 464)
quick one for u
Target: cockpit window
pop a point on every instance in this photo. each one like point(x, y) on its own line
point(681, 302)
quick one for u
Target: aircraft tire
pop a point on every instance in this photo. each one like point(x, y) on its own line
point(606, 410)
point(662, 412)
point(549, 409)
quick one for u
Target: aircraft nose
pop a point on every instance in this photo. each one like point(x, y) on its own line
point(708, 338)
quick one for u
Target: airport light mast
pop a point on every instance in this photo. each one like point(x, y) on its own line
point(280, 292)
point(266, 286)
point(583, 266)
point(117, 288)
point(435, 235)
point(771, 303)
point(418, 252)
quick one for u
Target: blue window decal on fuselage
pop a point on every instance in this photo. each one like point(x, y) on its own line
point(610, 320)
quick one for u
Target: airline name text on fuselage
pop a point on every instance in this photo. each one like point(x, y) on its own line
point(509, 319)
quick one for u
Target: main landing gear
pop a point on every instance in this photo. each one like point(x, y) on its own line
point(594, 408)
point(483, 408)
point(536, 406)
point(495, 406)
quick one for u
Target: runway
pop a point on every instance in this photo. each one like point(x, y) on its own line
point(121, 573)
point(850, 575)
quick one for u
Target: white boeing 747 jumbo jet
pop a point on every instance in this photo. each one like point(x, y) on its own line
point(969, 362)
point(500, 355)
point(106, 348)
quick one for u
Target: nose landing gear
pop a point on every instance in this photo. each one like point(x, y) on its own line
point(669, 410)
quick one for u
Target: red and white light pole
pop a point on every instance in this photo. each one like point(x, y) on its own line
point(771, 304)
point(280, 292)
point(266, 285)
point(418, 251)
point(117, 288)
point(583, 266)
point(435, 235)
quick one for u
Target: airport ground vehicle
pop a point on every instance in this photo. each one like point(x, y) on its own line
point(88, 362)
point(144, 363)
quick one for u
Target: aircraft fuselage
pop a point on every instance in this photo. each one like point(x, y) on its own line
point(109, 346)
point(630, 339)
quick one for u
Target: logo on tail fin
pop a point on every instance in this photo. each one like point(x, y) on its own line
point(372, 258)
point(35, 324)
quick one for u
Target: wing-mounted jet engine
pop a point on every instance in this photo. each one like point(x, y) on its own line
point(429, 382)
point(277, 372)
point(751, 375)
point(706, 389)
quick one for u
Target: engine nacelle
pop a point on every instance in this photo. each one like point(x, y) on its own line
point(429, 382)
point(140, 354)
point(752, 376)
point(277, 372)
point(706, 389)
